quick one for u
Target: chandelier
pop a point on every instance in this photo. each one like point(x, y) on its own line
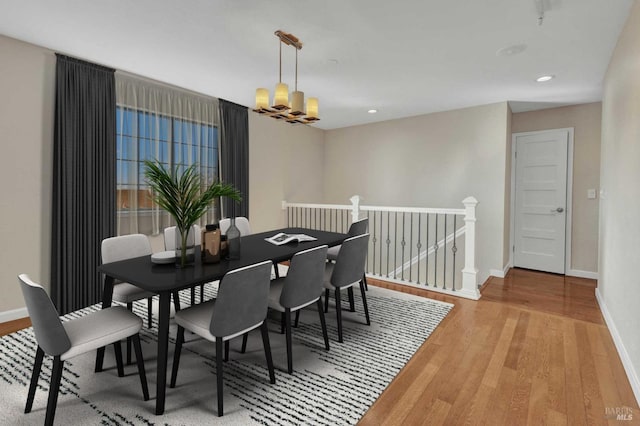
point(282, 109)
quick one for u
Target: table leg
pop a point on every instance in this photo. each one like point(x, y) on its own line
point(163, 347)
point(107, 295)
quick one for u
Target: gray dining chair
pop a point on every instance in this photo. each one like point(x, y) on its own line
point(64, 340)
point(170, 245)
point(358, 227)
point(345, 273)
point(301, 287)
point(241, 306)
point(124, 247)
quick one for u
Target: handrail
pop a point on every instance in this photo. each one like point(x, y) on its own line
point(389, 241)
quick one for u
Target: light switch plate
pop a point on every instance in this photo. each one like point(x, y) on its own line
point(591, 194)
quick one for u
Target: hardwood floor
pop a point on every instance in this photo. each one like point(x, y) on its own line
point(533, 350)
point(15, 325)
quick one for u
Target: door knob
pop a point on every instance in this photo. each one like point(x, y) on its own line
point(558, 210)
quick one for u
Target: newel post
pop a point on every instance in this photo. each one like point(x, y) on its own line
point(470, 272)
point(355, 208)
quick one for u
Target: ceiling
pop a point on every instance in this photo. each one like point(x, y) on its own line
point(403, 58)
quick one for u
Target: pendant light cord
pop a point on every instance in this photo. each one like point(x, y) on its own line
point(280, 61)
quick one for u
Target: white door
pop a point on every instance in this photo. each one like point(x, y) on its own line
point(541, 200)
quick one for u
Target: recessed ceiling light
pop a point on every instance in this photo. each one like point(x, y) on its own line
point(333, 61)
point(372, 111)
point(511, 50)
point(544, 78)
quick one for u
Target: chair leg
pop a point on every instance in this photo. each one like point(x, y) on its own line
point(176, 357)
point(176, 301)
point(130, 308)
point(364, 278)
point(339, 314)
point(323, 323)
point(245, 337)
point(352, 303)
point(54, 387)
point(140, 362)
point(149, 312)
point(326, 300)
point(226, 351)
point(364, 302)
point(275, 269)
point(295, 324)
point(201, 293)
point(118, 350)
point(37, 366)
point(219, 375)
point(99, 359)
point(287, 315)
point(267, 351)
point(193, 296)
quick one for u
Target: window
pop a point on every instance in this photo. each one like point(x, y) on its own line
point(142, 135)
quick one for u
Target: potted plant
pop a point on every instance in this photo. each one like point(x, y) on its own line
point(180, 192)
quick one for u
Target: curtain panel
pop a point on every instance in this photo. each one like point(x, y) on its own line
point(160, 123)
point(234, 156)
point(83, 204)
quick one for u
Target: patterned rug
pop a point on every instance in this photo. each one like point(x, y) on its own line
point(333, 387)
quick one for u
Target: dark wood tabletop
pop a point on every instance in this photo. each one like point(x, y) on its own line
point(141, 272)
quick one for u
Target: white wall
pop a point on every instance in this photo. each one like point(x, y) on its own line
point(619, 283)
point(27, 78)
point(433, 160)
point(585, 119)
point(285, 163)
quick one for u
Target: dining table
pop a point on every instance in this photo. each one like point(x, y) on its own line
point(168, 279)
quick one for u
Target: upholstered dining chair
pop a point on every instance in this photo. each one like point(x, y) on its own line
point(126, 247)
point(301, 287)
point(346, 272)
point(242, 223)
point(241, 306)
point(170, 245)
point(75, 337)
point(358, 227)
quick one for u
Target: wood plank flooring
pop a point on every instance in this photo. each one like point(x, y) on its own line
point(533, 350)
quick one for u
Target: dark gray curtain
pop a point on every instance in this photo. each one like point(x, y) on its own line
point(234, 155)
point(84, 183)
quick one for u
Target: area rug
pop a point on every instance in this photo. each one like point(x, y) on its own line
point(333, 387)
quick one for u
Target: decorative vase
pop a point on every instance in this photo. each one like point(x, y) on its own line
point(233, 240)
point(185, 247)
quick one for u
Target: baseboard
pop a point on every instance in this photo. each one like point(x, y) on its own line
point(622, 351)
point(582, 274)
point(14, 314)
point(500, 273)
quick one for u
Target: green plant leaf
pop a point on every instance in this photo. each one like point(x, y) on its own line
point(182, 194)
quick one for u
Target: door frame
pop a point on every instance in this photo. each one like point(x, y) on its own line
point(568, 208)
